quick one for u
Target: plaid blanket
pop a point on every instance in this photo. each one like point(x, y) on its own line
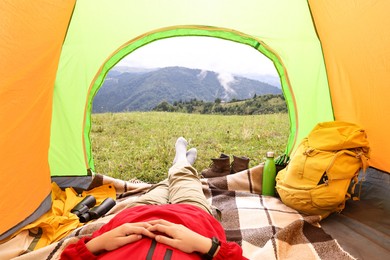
point(263, 226)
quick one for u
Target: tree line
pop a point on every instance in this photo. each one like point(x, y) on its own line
point(264, 104)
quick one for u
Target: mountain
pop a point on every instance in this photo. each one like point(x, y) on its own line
point(127, 89)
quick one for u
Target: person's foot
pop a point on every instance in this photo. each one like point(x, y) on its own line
point(191, 155)
point(181, 150)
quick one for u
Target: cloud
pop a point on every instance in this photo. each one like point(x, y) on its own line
point(226, 79)
point(204, 53)
point(202, 74)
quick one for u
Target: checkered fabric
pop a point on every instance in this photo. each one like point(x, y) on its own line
point(263, 226)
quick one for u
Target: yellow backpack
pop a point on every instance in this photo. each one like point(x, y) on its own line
point(318, 176)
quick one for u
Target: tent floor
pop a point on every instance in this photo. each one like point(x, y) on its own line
point(363, 227)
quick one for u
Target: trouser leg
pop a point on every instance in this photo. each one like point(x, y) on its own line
point(157, 195)
point(185, 187)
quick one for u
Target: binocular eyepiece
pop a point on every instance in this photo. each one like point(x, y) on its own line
point(85, 214)
point(84, 205)
point(98, 211)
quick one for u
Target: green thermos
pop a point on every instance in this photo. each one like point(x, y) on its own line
point(269, 174)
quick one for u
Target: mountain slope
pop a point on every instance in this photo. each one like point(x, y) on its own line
point(143, 90)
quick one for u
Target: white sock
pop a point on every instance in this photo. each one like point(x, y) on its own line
point(181, 150)
point(191, 155)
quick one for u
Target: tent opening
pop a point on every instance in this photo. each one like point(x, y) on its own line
point(157, 53)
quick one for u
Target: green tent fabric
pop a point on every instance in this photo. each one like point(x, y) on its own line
point(93, 46)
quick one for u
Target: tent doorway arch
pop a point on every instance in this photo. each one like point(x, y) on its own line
point(187, 31)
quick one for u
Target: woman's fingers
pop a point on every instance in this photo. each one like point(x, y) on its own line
point(138, 224)
point(137, 229)
point(163, 226)
point(166, 240)
point(159, 228)
point(131, 238)
point(160, 221)
point(165, 232)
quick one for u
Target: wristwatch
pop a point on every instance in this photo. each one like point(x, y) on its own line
point(214, 246)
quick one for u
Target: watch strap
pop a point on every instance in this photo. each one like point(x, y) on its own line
point(214, 246)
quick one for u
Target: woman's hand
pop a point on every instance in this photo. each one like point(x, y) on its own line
point(119, 236)
point(179, 237)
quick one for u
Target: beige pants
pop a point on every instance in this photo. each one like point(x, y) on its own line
point(182, 186)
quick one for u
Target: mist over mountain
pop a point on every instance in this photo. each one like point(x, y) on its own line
point(138, 89)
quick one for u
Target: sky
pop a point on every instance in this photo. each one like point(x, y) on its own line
point(206, 53)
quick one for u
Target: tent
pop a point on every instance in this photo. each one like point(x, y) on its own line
point(332, 57)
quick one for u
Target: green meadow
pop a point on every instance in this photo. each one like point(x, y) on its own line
point(141, 144)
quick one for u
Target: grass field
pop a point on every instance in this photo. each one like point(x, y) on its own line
point(141, 144)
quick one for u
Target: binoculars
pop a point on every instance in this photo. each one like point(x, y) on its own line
point(85, 212)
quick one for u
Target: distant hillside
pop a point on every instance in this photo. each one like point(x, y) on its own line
point(266, 104)
point(141, 90)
